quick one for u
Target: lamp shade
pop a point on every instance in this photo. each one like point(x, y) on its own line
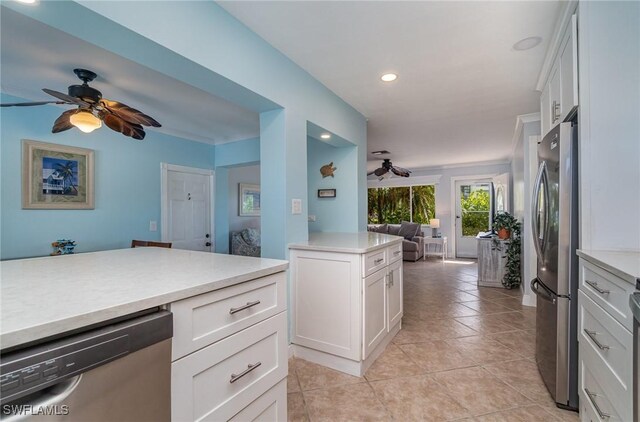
point(434, 223)
point(85, 121)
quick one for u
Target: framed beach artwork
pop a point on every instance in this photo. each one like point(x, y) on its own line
point(56, 176)
point(248, 200)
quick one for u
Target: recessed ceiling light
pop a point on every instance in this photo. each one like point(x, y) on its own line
point(389, 77)
point(325, 136)
point(527, 43)
point(27, 1)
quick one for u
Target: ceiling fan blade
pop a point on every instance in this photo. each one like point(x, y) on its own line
point(66, 98)
point(371, 173)
point(132, 130)
point(37, 103)
point(63, 123)
point(129, 114)
point(399, 171)
point(380, 171)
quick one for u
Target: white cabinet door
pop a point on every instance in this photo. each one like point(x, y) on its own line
point(545, 110)
point(569, 70)
point(374, 310)
point(394, 294)
point(326, 300)
point(554, 95)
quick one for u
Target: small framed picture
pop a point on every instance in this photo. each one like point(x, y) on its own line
point(326, 193)
point(56, 176)
point(248, 200)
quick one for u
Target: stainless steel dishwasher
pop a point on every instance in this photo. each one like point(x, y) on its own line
point(118, 372)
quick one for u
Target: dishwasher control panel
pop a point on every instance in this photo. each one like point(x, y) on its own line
point(26, 376)
point(32, 369)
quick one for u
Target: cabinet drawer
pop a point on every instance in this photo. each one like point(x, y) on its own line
point(375, 260)
point(597, 396)
point(202, 320)
point(607, 339)
point(610, 292)
point(269, 407)
point(394, 253)
point(216, 382)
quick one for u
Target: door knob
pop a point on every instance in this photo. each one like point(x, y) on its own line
point(207, 244)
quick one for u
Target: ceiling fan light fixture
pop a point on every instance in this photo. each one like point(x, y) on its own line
point(85, 121)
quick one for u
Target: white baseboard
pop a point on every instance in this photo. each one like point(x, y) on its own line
point(290, 350)
point(529, 300)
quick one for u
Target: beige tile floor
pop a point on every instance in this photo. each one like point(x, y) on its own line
point(464, 353)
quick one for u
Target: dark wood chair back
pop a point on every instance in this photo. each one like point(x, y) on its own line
point(141, 243)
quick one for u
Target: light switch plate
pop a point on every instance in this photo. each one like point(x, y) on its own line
point(153, 226)
point(296, 206)
point(312, 218)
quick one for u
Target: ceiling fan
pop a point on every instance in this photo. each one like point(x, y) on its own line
point(92, 110)
point(388, 166)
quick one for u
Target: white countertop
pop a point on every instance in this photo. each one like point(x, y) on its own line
point(361, 242)
point(41, 297)
point(625, 265)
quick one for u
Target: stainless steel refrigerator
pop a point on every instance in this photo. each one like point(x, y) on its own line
point(555, 231)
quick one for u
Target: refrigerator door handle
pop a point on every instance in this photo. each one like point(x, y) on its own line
point(535, 210)
point(543, 292)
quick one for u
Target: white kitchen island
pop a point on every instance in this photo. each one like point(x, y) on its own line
point(346, 298)
point(229, 312)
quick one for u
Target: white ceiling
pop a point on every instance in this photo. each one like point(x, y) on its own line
point(460, 85)
point(36, 56)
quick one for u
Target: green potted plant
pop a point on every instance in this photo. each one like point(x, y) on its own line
point(503, 224)
point(509, 228)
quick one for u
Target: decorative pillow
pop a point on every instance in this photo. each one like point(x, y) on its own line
point(251, 236)
point(383, 228)
point(408, 230)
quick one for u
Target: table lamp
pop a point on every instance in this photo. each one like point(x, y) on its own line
point(434, 223)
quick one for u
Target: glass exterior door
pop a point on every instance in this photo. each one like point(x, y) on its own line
point(473, 215)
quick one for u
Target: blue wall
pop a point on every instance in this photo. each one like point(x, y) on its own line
point(332, 214)
point(127, 184)
point(205, 34)
point(205, 46)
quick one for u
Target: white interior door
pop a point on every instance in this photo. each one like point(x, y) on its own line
point(473, 204)
point(188, 210)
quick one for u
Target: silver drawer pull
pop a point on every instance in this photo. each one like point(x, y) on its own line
point(377, 261)
point(397, 252)
point(243, 307)
point(593, 402)
point(592, 336)
point(250, 368)
point(596, 288)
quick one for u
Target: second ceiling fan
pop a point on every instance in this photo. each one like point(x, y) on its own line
point(387, 167)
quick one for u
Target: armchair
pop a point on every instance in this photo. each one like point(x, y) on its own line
point(246, 242)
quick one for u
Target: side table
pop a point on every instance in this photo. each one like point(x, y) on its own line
point(442, 241)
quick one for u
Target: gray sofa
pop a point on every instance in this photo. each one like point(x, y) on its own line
point(412, 250)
